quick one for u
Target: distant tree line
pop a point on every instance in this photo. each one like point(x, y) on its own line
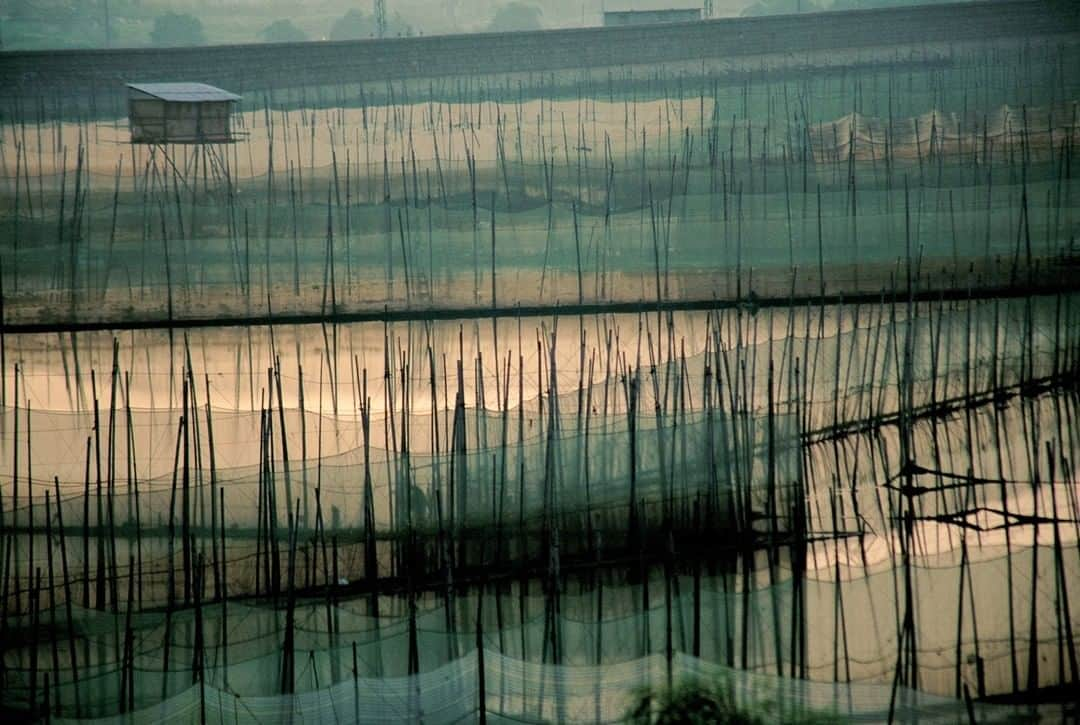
point(282, 31)
point(177, 29)
point(516, 16)
point(356, 25)
point(133, 23)
point(784, 7)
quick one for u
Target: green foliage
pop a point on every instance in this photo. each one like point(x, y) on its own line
point(282, 31)
point(516, 16)
point(866, 4)
point(697, 703)
point(355, 25)
point(781, 7)
point(59, 13)
point(177, 29)
point(30, 24)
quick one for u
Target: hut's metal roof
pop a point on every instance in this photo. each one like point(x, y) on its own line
point(184, 92)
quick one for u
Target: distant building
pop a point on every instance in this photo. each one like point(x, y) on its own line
point(168, 113)
point(618, 18)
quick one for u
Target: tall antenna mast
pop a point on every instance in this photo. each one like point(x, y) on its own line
point(380, 18)
point(108, 27)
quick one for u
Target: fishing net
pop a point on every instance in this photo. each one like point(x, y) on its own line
point(974, 641)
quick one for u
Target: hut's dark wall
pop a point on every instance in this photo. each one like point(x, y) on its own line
point(155, 121)
point(91, 77)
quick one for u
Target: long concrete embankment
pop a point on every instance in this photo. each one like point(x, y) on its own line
point(87, 78)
